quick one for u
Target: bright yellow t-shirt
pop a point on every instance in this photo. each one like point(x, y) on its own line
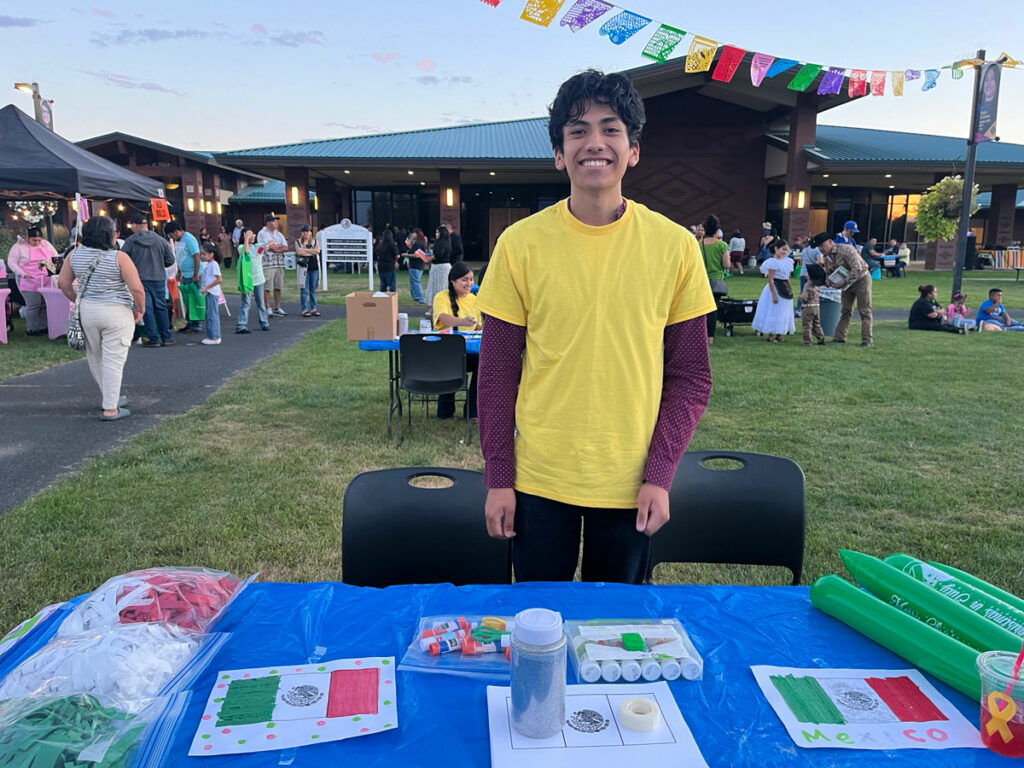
point(467, 308)
point(595, 302)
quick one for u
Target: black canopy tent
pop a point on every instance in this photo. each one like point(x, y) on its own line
point(37, 164)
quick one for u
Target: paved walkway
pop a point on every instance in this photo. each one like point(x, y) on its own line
point(51, 419)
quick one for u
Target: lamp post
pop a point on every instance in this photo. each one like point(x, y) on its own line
point(43, 110)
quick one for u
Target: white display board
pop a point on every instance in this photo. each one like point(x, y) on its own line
point(345, 243)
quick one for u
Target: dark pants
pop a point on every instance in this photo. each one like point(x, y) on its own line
point(156, 317)
point(446, 403)
point(388, 282)
point(712, 317)
point(547, 542)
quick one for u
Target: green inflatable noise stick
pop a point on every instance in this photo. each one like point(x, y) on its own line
point(977, 600)
point(921, 602)
point(935, 653)
point(984, 586)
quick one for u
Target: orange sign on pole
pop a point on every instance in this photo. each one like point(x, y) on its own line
point(159, 208)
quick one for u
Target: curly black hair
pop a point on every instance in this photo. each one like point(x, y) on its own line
point(592, 86)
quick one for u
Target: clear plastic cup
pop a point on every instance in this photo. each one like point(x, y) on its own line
point(1002, 704)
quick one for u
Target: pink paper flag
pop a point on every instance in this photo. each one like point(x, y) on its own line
point(541, 12)
point(583, 12)
point(878, 83)
point(492, 3)
point(858, 83)
point(353, 692)
point(728, 61)
point(759, 66)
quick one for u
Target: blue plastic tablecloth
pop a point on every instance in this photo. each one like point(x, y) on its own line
point(443, 719)
point(472, 344)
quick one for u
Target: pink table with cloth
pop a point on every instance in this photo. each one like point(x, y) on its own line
point(4, 293)
point(58, 310)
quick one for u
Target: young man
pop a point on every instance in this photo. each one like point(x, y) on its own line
point(186, 251)
point(589, 392)
point(992, 311)
point(151, 255)
point(273, 263)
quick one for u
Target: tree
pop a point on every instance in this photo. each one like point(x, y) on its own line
point(938, 213)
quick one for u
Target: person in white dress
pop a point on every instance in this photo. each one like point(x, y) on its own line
point(774, 315)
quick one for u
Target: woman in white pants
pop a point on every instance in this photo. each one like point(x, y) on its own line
point(113, 301)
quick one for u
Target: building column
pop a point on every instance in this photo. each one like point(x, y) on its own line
point(796, 216)
point(192, 189)
point(1001, 214)
point(326, 203)
point(451, 199)
point(296, 201)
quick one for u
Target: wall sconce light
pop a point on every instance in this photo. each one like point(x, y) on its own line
point(103, 211)
point(191, 204)
point(824, 175)
point(316, 204)
point(800, 199)
point(785, 200)
point(120, 206)
point(74, 207)
point(409, 172)
point(173, 185)
point(220, 209)
point(449, 197)
point(295, 195)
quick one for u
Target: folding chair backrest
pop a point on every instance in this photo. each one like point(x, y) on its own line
point(752, 515)
point(397, 533)
point(427, 360)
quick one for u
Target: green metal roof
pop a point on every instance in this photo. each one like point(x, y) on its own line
point(836, 144)
point(510, 140)
point(985, 200)
point(270, 192)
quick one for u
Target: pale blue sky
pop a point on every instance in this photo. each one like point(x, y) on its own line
point(203, 75)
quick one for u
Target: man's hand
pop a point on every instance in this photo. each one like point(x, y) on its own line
point(500, 511)
point(652, 508)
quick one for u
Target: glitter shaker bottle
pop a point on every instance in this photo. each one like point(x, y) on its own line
point(538, 673)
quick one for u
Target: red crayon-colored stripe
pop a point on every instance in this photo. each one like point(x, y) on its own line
point(905, 699)
point(353, 692)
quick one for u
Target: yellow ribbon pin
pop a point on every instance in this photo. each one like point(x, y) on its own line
point(1000, 717)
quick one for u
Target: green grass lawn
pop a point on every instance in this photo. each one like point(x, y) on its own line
point(912, 446)
point(26, 354)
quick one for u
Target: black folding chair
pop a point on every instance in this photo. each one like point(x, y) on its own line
point(393, 532)
point(751, 515)
point(430, 365)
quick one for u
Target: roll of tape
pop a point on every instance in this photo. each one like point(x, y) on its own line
point(631, 671)
point(640, 715)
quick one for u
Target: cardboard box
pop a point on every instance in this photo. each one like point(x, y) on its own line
point(370, 317)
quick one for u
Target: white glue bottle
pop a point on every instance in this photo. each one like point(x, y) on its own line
point(538, 673)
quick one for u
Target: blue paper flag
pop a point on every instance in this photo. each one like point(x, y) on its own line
point(622, 27)
point(780, 65)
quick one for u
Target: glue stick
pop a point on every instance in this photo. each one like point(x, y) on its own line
point(441, 628)
point(651, 670)
point(426, 642)
point(443, 645)
point(611, 671)
point(631, 671)
point(671, 669)
point(471, 647)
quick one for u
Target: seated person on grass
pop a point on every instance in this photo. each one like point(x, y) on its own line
point(994, 313)
point(927, 315)
point(590, 390)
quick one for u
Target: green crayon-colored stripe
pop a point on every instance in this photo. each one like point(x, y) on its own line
point(249, 701)
point(807, 700)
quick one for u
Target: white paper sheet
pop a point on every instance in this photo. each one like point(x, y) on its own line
point(869, 722)
point(601, 741)
point(299, 707)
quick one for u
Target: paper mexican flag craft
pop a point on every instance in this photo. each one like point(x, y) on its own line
point(254, 710)
point(864, 709)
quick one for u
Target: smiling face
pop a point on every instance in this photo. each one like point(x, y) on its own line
point(595, 150)
point(463, 285)
point(991, 84)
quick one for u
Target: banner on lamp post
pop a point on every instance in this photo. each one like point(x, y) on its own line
point(583, 12)
point(988, 101)
point(663, 42)
point(622, 27)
